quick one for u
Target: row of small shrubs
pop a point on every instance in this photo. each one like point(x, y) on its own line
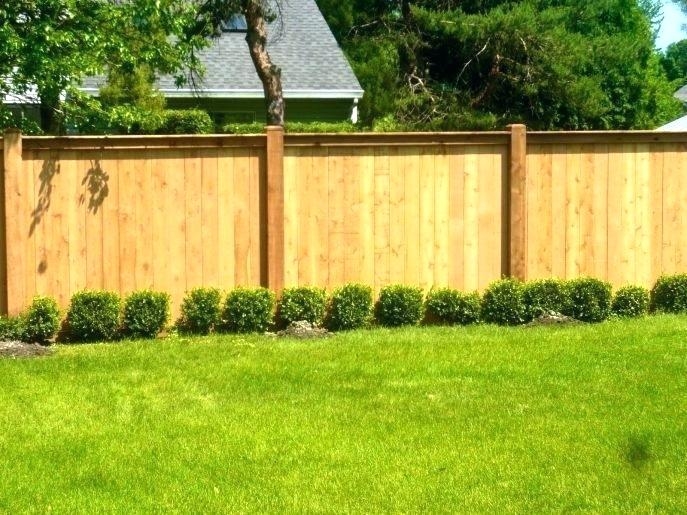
point(104, 316)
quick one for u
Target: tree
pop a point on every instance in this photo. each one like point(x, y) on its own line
point(553, 64)
point(211, 13)
point(50, 45)
point(674, 62)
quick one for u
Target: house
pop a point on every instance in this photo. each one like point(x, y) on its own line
point(318, 82)
point(679, 125)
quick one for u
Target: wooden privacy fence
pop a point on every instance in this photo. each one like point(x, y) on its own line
point(450, 209)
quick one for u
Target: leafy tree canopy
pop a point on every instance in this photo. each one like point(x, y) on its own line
point(552, 64)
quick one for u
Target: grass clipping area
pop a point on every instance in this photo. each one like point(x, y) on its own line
point(539, 419)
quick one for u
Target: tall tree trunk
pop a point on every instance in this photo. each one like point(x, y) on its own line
point(269, 73)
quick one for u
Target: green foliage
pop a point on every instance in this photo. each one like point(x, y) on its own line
point(590, 299)
point(544, 296)
point(186, 121)
point(483, 64)
point(350, 307)
point(399, 305)
point(449, 306)
point(630, 301)
point(291, 127)
point(244, 128)
point(94, 316)
point(674, 62)
point(13, 328)
point(145, 314)
point(503, 302)
point(248, 310)
point(13, 120)
point(669, 294)
point(42, 320)
point(302, 303)
point(200, 311)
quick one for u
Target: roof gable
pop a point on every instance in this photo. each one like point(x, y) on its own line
point(300, 43)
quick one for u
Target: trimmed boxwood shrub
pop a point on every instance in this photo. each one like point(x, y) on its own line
point(590, 299)
point(630, 301)
point(350, 307)
point(13, 328)
point(200, 311)
point(145, 314)
point(302, 303)
point(544, 296)
point(248, 310)
point(42, 320)
point(669, 294)
point(449, 306)
point(94, 316)
point(399, 305)
point(503, 303)
point(186, 121)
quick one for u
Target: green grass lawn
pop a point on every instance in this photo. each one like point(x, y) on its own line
point(589, 418)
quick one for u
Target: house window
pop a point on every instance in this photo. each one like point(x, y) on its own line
point(235, 23)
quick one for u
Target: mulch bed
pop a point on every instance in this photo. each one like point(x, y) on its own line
point(15, 349)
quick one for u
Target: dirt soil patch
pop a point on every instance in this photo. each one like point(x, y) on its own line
point(303, 329)
point(553, 318)
point(15, 349)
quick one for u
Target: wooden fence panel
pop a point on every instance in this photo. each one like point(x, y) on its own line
point(394, 214)
point(126, 219)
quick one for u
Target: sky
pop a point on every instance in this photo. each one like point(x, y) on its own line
point(672, 26)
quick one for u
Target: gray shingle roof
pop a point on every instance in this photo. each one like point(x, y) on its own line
point(300, 43)
point(681, 94)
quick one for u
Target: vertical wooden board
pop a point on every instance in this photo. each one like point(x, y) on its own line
point(58, 268)
point(617, 261)
point(292, 207)
point(572, 213)
point(412, 214)
point(255, 247)
point(71, 169)
point(19, 224)
point(110, 209)
point(489, 217)
point(537, 218)
point(209, 199)
point(226, 205)
point(558, 209)
point(320, 227)
point(599, 217)
point(366, 172)
point(351, 209)
point(30, 232)
point(456, 200)
point(142, 199)
point(175, 210)
point(160, 203)
point(242, 216)
point(304, 255)
point(544, 216)
point(671, 212)
point(586, 202)
point(94, 192)
point(643, 215)
point(337, 221)
point(426, 265)
point(127, 168)
point(681, 247)
point(628, 216)
point(656, 216)
point(441, 217)
point(397, 218)
point(382, 213)
point(194, 245)
point(36, 227)
point(471, 231)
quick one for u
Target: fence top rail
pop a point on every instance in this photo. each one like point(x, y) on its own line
point(142, 142)
point(605, 137)
point(376, 139)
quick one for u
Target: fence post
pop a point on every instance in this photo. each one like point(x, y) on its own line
point(517, 202)
point(11, 272)
point(275, 208)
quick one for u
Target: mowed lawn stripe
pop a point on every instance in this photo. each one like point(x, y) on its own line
point(411, 420)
